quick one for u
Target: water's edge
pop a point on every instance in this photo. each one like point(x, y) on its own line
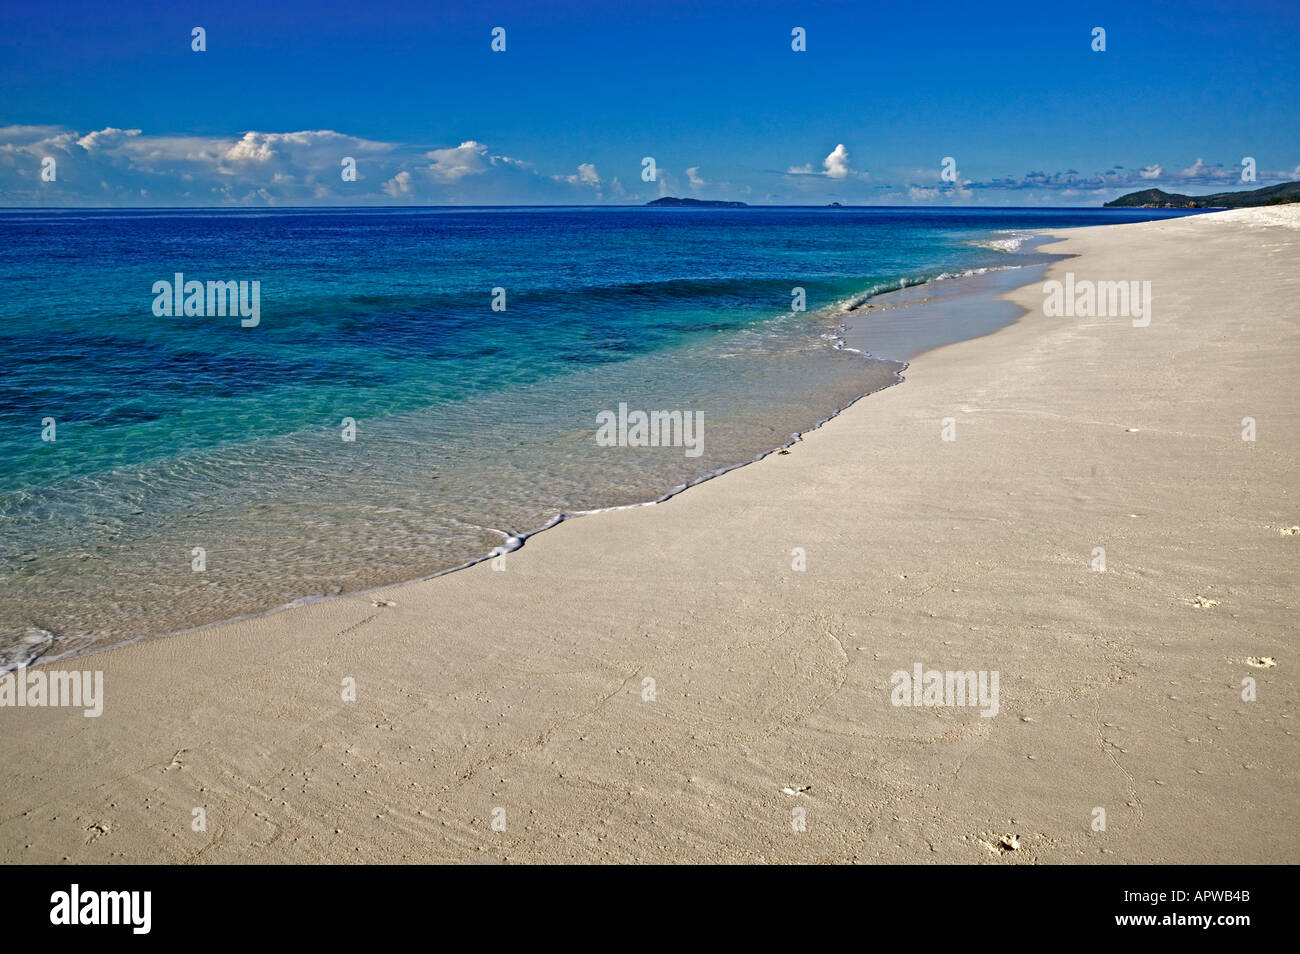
point(972, 294)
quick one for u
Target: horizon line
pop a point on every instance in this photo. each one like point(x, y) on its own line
point(705, 203)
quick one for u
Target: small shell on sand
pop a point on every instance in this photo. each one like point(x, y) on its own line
point(1010, 842)
point(1202, 602)
point(1289, 531)
point(1261, 662)
point(796, 789)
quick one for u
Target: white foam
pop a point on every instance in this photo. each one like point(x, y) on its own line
point(1007, 241)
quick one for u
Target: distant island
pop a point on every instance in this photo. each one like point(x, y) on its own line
point(672, 200)
point(1158, 199)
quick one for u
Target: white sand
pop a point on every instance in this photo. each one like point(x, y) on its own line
point(523, 689)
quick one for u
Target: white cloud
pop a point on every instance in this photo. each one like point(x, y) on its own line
point(126, 166)
point(120, 166)
point(586, 175)
point(8, 133)
point(296, 147)
point(254, 147)
point(837, 163)
point(106, 138)
point(835, 166)
point(470, 158)
point(1200, 172)
point(399, 185)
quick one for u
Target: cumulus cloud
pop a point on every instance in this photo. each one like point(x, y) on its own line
point(1200, 172)
point(399, 185)
point(128, 166)
point(106, 138)
point(834, 166)
point(470, 158)
point(254, 147)
point(586, 176)
point(112, 166)
point(837, 163)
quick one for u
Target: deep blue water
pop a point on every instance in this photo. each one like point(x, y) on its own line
point(471, 424)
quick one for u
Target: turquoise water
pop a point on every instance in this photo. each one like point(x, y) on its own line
point(472, 425)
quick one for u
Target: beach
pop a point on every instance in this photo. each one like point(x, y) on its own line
point(711, 679)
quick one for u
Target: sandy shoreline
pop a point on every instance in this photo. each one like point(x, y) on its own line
point(523, 689)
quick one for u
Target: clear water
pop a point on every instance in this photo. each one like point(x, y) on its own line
point(472, 425)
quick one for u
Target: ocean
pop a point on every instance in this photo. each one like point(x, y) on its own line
point(415, 389)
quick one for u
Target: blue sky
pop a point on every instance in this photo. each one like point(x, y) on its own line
point(1014, 93)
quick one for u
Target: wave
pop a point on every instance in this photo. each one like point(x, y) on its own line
point(1008, 240)
point(854, 302)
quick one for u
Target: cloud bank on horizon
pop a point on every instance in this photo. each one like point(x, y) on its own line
point(130, 167)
